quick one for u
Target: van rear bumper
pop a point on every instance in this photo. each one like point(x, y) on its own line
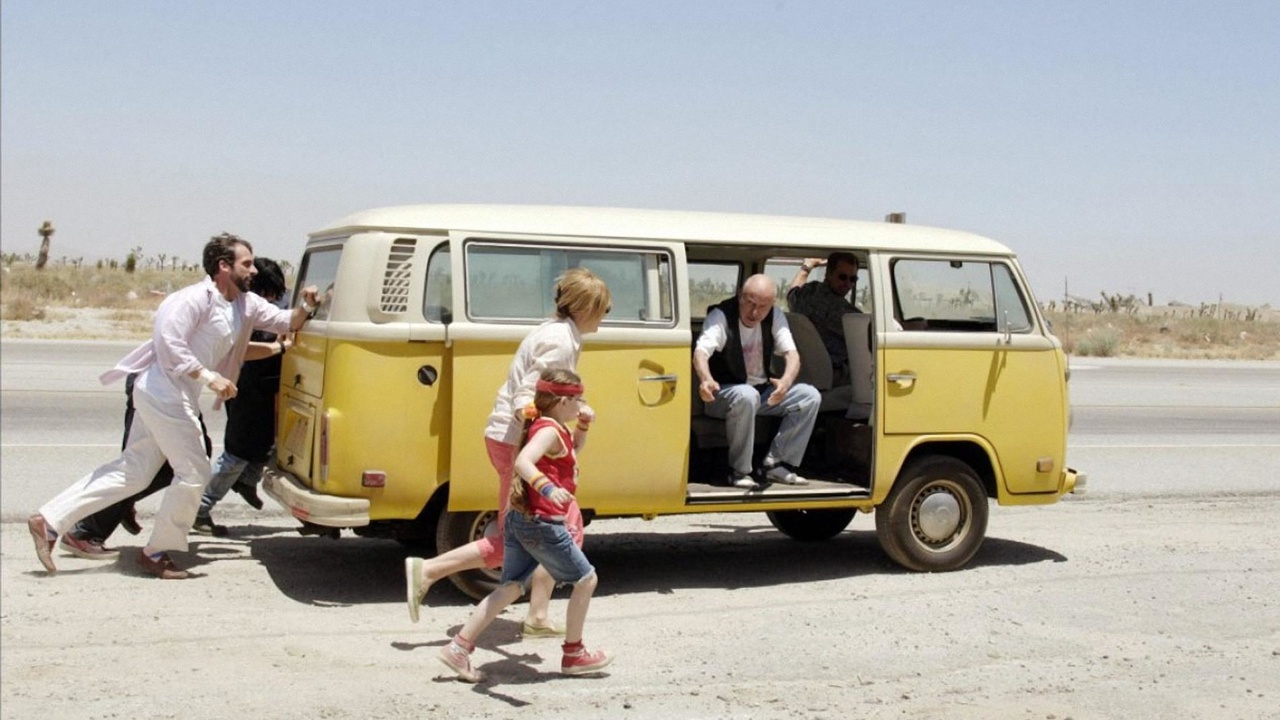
point(1074, 482)
point(312, 507)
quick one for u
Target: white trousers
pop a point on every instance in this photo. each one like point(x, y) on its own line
point(168, 431)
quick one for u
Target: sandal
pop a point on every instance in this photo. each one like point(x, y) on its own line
point(530, 630)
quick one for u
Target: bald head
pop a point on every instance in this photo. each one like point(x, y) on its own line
point(755, 302)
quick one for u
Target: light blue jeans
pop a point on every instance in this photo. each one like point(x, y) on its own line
point(228, 471)
point(531, 542)
point(739, 405)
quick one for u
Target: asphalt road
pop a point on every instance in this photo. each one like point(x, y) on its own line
point(1140, 428)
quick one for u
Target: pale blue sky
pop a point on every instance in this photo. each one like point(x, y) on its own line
point(1127, 147)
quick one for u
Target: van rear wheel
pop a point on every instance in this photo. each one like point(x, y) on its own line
point(811, 525)
point(935, 518)
point(457, 529)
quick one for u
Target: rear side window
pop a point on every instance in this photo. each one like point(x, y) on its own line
point(437, 300)
point(515, 282)
point(709, 283)
point(320, 268)
point(958, 296)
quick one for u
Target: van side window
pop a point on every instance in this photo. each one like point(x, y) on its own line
point(437, 299)
point(956, 296)
point(320, 268)
point(709, 283)
point(513, 282)
point(1011, 307)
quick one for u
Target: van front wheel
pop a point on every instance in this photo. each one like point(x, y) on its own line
point(811, 525)
point(457, 529)
point(935, 518)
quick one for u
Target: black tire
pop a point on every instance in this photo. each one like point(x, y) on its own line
point(811, 525)
point(935, 518)
point(458, 529)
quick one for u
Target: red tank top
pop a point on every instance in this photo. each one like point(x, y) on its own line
point(561, 471)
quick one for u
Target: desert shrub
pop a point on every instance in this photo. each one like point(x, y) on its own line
point(21, 306)
point(1099, 342)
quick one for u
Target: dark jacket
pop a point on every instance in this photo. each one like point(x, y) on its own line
point(727, 366)
point(251, 414)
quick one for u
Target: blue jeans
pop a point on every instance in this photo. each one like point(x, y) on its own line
point(739, 405)
point(227, 472)
point(531, 542)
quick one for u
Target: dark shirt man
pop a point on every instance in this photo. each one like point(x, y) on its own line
point(826, 302)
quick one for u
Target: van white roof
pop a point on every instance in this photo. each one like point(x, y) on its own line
point(668, 225)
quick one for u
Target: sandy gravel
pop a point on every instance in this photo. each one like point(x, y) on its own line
point(1160, 608)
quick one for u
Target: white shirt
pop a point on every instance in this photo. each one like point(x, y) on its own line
point(715, 333)
point(555, 344)
point(196, 327)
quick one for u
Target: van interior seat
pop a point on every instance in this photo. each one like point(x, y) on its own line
point(815, 364)
point(862, 367)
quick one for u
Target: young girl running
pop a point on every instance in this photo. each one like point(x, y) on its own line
point(542, 496)
point(582, 300)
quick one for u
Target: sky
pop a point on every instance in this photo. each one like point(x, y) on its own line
point(1119, 147)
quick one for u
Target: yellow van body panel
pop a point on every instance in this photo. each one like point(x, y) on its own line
point(636, 459)
point(639, 418)
point(999, 394)
point(406, 440)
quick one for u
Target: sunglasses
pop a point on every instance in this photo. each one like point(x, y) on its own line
point(845, 277)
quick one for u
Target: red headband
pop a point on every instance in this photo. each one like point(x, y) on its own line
point(570, 389)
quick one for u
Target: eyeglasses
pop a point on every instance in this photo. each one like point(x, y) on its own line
point(846, 277)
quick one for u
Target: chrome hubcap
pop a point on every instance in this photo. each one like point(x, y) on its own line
point(938, 516)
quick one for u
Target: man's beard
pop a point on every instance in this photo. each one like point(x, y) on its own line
point(243, 283)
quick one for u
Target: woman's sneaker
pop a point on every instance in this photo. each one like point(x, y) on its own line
point(458, 660)
point(584, 662)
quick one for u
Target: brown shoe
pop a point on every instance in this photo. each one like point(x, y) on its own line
point(44, 546)
point(162, 568)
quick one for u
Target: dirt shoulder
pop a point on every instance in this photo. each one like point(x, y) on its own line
point(1149, 608)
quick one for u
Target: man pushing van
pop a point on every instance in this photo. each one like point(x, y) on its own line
point(199, 340)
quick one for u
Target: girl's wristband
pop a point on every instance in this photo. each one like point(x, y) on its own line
point(542, 485)
point(207, 376)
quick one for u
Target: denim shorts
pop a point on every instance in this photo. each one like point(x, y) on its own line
point(531, 542)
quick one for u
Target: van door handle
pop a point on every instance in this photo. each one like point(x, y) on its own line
point(904, 379)
point(660, 378)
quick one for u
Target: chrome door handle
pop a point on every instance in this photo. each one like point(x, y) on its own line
point(660, 378)
point(904, 378)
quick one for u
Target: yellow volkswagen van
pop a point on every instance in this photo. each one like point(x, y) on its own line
point(956, 393)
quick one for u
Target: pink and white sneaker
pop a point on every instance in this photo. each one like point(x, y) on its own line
point(458, 659)
point(584, 662)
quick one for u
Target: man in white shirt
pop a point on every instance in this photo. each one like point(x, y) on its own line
point(731, 357)
point(199, 340)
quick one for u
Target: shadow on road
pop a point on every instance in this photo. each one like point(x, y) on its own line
point(353, 571)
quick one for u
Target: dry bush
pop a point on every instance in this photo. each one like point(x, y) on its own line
point(21, 306)
point(94, 287)
point(1159, 334)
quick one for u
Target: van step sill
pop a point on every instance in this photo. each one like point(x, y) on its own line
point(817, 490)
